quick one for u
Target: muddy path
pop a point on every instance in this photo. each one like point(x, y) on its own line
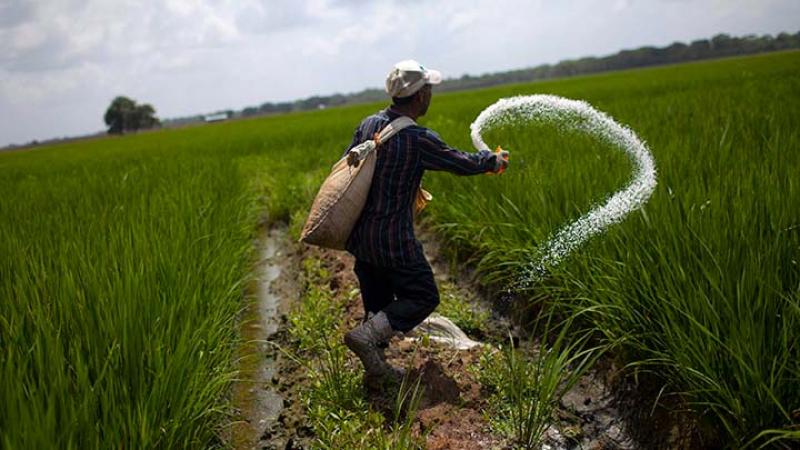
point(257, 402)
point(601, 412)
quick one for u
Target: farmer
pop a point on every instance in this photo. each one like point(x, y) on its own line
point(397, 285)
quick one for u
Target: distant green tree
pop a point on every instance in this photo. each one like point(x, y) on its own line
point(119, 114)
point(125, 115)
point(144, 117)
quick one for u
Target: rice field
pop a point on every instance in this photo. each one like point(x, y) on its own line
point(124, 261)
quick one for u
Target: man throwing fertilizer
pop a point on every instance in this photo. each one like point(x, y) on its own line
point(397, 284)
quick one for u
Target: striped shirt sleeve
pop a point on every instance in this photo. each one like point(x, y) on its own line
point(436, 155)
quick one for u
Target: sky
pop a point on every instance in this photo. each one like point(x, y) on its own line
point(63, 61)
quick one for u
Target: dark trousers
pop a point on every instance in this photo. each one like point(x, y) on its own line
point(407, 295)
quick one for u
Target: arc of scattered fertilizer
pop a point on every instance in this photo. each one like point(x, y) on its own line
point(577, 116)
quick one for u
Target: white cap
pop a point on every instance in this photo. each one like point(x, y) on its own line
point(407, 77)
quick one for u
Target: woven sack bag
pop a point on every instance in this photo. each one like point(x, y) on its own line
point(343, 194)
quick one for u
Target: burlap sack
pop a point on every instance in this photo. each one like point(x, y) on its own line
point(343, 194)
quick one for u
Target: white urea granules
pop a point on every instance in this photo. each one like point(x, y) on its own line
point(574, 115)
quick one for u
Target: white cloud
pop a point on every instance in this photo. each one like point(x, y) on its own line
point(61, 61)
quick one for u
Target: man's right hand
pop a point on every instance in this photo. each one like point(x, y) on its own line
point(500, 161)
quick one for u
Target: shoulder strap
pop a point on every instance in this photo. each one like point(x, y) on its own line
point(393, 128)
point(360, 151)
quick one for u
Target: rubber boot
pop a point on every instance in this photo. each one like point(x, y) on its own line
point(397, 373)
point(364, 341)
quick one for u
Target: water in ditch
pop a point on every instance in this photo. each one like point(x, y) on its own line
point(256, 401)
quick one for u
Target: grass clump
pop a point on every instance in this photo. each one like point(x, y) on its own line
point(527, 384)
point(335, 402)
point(314, 325)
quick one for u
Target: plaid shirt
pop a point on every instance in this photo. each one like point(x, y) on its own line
point(384, 233)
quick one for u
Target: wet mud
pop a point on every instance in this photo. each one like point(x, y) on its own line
point(255, 396)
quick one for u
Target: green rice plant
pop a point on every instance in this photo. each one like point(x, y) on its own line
point(123, 260)
point(702, 284)
point(785, 439)
point(313, 323)
point(123, 267)
point(401, 434)
point(120, 280)
point(341, 417)
point(528, 387)
point(338, 411)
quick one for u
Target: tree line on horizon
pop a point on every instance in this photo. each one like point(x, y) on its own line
point(721, 45)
